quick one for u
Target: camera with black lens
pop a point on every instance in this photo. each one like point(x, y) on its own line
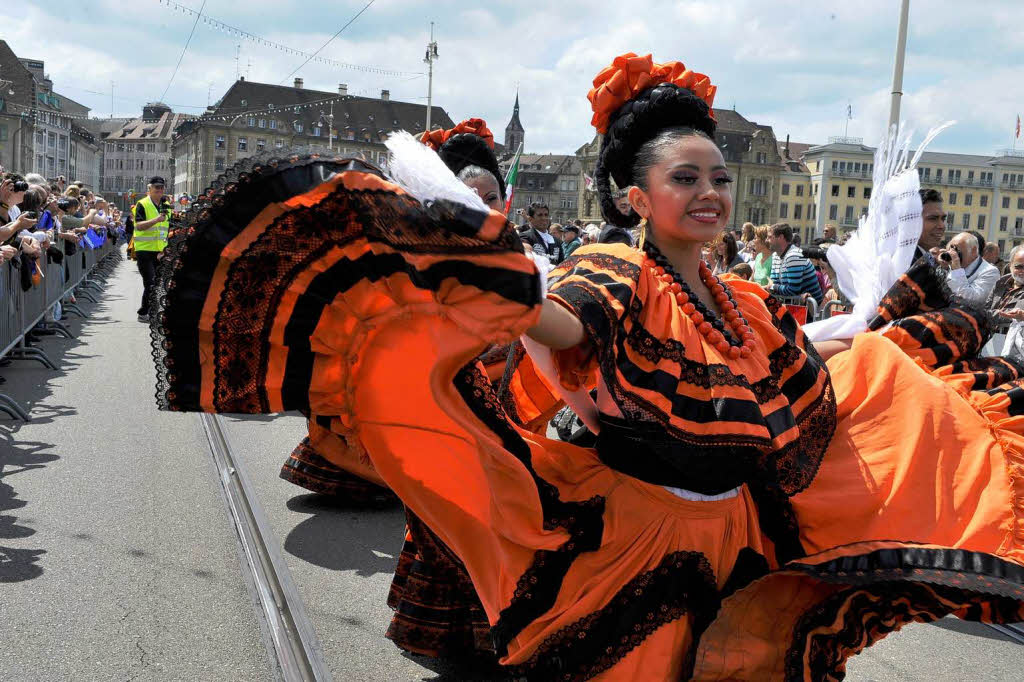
point(20, 186)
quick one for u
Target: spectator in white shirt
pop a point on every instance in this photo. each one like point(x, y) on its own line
point(970, 276)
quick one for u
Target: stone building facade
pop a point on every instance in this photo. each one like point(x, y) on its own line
point(252, 118)
point(140, 149)
point(35, 122)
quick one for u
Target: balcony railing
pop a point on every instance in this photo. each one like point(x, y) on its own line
point(847, 173)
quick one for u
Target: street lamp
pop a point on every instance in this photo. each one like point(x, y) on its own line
point(429, 61)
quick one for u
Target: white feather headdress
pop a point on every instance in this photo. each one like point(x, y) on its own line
point(883, 246)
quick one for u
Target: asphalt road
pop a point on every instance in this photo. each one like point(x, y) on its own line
point(117, 561)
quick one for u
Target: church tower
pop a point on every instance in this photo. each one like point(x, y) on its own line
point(514, 133)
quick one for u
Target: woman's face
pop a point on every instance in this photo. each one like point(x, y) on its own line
point(688, 196)
point(720, 249)
point(487, 188)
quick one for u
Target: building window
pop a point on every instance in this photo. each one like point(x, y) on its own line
point(984, 200)
point(1020, 204)
point(316, 131)
point(981, 222)
point(949, 219)
point(263, 123)
point(968, 199)
point(1018, 224)
point(783, 211)
point(785, 189)
point(298, 126)
point(150, 147)
point(833, 212)
point(867, 192)
point(278, 144)
point(243, 144)
point(848, 217)
point(261, 144)
point(851, 192)
point(815, 189)
point(1006, 201)
point(835, 190)
point(799, 190)
point(798, 210)
point(273, 124)
point(219, 142)
point(952, 198)
point(1002, 222)
point(251, 121)
point(965, 222)
point(218, 163)
point(970, 177)
point(762, 157)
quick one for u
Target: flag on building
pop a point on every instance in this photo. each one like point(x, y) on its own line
point(1018, 125)
point(588, 183)
point(510, 179)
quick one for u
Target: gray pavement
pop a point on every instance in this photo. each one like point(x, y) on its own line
point(117, 560)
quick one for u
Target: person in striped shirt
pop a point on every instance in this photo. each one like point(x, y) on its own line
point(792, 273)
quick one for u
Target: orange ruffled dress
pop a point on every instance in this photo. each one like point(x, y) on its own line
point(824, 524)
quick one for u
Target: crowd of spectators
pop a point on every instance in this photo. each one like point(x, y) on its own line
point(42, 221)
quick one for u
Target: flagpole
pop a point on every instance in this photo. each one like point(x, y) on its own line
point(897, 73)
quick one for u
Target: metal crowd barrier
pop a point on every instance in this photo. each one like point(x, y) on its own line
point(24, 311)
point(804, 310)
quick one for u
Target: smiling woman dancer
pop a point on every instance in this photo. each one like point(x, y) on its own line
point(749, 512)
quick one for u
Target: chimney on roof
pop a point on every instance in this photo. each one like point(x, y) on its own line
point(787, 148)
point(385, 95)
point(298, 83)
point(343, 88)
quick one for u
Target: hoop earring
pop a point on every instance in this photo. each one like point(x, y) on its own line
point(643, 234)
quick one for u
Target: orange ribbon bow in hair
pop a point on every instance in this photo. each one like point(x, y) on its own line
point(629, 75)
point(477, 126)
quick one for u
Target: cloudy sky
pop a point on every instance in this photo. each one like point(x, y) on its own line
point(793, 64)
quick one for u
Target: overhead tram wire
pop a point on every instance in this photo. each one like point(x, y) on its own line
point(310, 57)
point(236, 32)
point(184, 50)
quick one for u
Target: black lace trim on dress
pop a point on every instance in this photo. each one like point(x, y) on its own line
point(920, 289)
point(437, 610)
point(282, 251)
point(308, 469)
point(852, 619)
point(683, 584)
point(990, 372)
point(894, 586)
point(537, 589)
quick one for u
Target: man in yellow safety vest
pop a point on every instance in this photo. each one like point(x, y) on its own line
point(150, 237)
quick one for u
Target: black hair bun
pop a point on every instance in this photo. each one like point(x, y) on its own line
point(636, 122)
point(467, 149)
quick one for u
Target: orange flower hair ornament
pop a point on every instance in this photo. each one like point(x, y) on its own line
point(477, 126)
point(629, 75)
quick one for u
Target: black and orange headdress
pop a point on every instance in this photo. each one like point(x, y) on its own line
point(470, 143)
point(633, 100)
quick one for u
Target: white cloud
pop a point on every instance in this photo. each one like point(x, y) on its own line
point(791, 64)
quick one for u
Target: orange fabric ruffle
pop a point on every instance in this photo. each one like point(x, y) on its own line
point(629, 75)
point(475, 126)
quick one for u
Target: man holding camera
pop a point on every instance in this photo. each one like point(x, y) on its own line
point(150, 238)
point(970, 276)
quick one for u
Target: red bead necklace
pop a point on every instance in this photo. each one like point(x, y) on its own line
point(707, 323)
